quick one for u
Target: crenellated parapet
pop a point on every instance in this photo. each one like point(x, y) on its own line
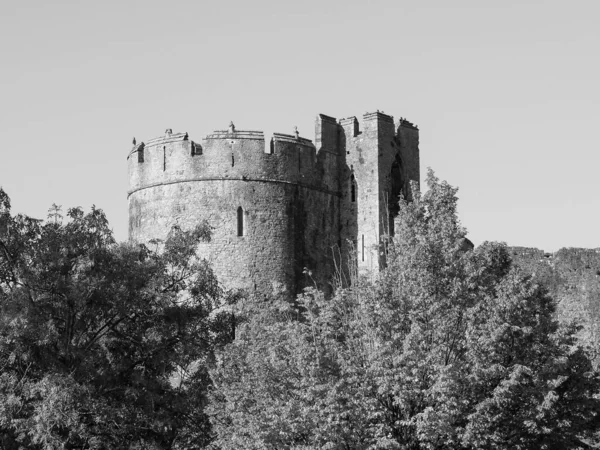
point(236, 134)
point(228, 155)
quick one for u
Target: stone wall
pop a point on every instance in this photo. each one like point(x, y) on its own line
point(303, 207)
point(370, 150)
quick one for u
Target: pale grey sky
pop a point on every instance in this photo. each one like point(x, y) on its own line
point(506, 95)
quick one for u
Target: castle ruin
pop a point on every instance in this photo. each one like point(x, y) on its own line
point(278, 206)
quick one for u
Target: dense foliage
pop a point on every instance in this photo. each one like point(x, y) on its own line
point(106, 345)
point(103, 345)
point(449, 349)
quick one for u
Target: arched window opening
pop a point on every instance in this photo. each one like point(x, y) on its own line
point(397, 181)
point(352, 188)
point(240, 221)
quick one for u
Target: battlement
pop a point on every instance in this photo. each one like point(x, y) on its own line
point(236, 134)
point(280, 137)
point(350, 126)
point(231, 134)
point(226, 154)
point(167, 138)
point(284, 158)
point(406, 124)
point(378, 115)
point(257, 135)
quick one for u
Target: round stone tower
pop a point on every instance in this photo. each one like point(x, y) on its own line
point(271, 212)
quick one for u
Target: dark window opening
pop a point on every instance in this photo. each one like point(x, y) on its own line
point(196, 149)
point(352, 189)
point(164, 158)
point(240, 221)
point(232, 160)
point(363, 247)
point(272, 146)
point(141, 155)
point(397, 181)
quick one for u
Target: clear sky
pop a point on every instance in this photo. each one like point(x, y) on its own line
point(506, 95)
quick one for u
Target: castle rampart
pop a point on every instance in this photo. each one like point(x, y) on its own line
point(239, 155)
point(278, 206)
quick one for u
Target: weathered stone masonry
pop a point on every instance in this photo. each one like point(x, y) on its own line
point(278, 206)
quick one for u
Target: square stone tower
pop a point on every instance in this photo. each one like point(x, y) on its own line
point(377, 159)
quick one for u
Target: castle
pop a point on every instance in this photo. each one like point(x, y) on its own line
point(285, 213)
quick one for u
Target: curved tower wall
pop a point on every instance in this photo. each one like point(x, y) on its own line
point(289, 213)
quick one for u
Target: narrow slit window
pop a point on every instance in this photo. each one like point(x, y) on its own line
point(240, 221)
point(232, 160)
point(164, 158)
point(141, 155)
point(352, 188)
point(363, 247)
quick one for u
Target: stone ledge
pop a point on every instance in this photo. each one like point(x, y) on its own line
point(238, 134)
point(175, 137)
point(260, 180)
point(378, 115)
point(280, 137)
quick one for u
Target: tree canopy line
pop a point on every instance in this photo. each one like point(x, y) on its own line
point(115, 345)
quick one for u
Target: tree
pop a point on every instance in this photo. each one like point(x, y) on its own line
point(92, 333)
point(448, 349)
